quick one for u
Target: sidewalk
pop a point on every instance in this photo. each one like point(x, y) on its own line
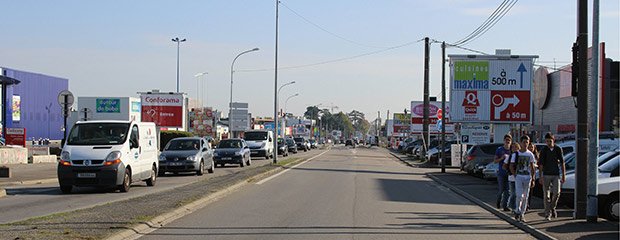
point(26, 174)
point(483, 192)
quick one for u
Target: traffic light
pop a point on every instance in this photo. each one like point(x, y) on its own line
point(575, 69)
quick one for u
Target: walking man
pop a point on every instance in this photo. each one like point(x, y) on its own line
point(501, 154)
point(524, 170)
point(551, 162)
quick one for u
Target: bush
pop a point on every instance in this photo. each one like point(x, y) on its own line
point(166, 135)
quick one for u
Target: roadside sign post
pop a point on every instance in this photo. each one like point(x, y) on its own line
point(66, 100)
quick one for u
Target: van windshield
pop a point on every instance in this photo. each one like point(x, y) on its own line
point(255, 136)
point(98, 134)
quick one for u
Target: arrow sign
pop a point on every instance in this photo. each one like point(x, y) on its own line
point(521, 70)
point(514, 101)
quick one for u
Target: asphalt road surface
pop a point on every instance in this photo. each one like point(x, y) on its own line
point(24, 202)
point(343, 194)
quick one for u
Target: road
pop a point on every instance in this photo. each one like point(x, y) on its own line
point(24, 202)
point(343, 194)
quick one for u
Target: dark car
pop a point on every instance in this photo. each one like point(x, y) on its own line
point(478, 157)
point(301, 144)
point(234, 151)
point(282, 147)
point(186, 154)
point(349, 142)
point(434, 156)
point(292, 146)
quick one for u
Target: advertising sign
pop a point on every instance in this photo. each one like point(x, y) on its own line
point(135, 106)
point(491, 89)
point(108, 105)
point(434, 109)
point(17, 108)
point(201, 122)
point(165, 110)
point(16, 136)
point(401, 124)
point(475, 133)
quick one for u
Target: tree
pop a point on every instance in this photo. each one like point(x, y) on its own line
point(312, 112)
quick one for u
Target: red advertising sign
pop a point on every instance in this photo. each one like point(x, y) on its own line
point(165, 110)
point(16, 136)
point(510, 106)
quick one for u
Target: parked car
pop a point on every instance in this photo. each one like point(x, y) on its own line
point(608, 190)
point(609, 169)
point(604, 145)
point(313, 143)
point(478, 157)
point(109, 154)
point(490, 171)
point(282, 147)
point(350, 142)
point(186, 154)
point(301, 144)
point(292, 146)
point(232, 151)
point(260, 143)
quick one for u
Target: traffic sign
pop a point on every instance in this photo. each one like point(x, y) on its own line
point(66, 99)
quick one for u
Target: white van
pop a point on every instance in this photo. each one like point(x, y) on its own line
point(260, 143)
point(109, 154)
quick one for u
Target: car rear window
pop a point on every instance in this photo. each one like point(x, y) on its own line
point(489, 148)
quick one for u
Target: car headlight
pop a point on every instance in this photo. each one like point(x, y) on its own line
point(238, 153)
point(65, 156)
point(162, 157)
point(191, 158)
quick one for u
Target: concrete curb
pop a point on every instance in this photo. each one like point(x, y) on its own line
point(30, 182)
point(144, 228)
point(402, 160)
point(527, 228)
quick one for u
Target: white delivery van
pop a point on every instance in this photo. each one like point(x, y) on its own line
point(260, 143)
point(109, 154)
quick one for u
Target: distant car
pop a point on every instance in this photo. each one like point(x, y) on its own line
point(186, 154)
point(292, 146)
point(232, 151)
point(282, 147)
point(313, 143)
point(349, 142)
point(301, 144)
point(478, 157)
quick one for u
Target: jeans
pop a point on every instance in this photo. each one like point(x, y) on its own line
point(551, 192)
point(512, 197)
point(502, 191)
point(522, 189)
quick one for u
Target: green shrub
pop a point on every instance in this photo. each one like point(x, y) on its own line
point(166, 135)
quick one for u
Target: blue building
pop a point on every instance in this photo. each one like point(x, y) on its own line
point(33, 103)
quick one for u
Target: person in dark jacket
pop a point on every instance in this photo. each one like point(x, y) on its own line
point(551, 166)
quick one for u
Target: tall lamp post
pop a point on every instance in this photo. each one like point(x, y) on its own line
point(178, 41)
point(285, 105)
point(198, 97)
point(231, 87)
point(276, 120)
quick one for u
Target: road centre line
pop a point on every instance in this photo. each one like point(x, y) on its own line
point(278, 174)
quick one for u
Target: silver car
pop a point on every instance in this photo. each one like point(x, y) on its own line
point(186, 154)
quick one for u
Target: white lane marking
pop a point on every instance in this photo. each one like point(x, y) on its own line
point(280, 173)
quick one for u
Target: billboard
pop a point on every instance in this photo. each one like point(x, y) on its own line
point(491, 88)
point(165, 110)
point(401, 124)
point(417, 117)
point(201, 122)
point(108, 105)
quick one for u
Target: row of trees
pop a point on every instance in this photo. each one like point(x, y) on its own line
point(348, 123)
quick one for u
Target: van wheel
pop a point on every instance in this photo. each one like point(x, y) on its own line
point(126, 181)
point(201, 169)
point(212, 168)
point(151, 181)
point(611, 208)
point(66, 189)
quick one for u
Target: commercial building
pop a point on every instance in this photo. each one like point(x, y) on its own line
point(32, 103)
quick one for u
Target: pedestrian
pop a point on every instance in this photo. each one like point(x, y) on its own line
point(534, 151)
point(551, 162)
point(501, 154)
point(511, 177)
point(522, 166)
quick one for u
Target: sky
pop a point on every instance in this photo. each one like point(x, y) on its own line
point(350, 54)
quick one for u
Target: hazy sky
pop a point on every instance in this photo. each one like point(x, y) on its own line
point(118, 48)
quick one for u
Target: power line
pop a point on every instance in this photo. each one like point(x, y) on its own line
point(334, 60)
point(327, 31)
point(493, 19)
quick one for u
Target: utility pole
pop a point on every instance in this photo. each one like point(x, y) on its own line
point(581, 170)
point(275, 100)
point(592, 202)
point(443, 107)
point(426, 95)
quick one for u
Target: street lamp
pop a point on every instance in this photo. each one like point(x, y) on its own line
point(276, 117)
point(198, 97)
point(231, 86)
point(178, 41)
point(285, 105)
